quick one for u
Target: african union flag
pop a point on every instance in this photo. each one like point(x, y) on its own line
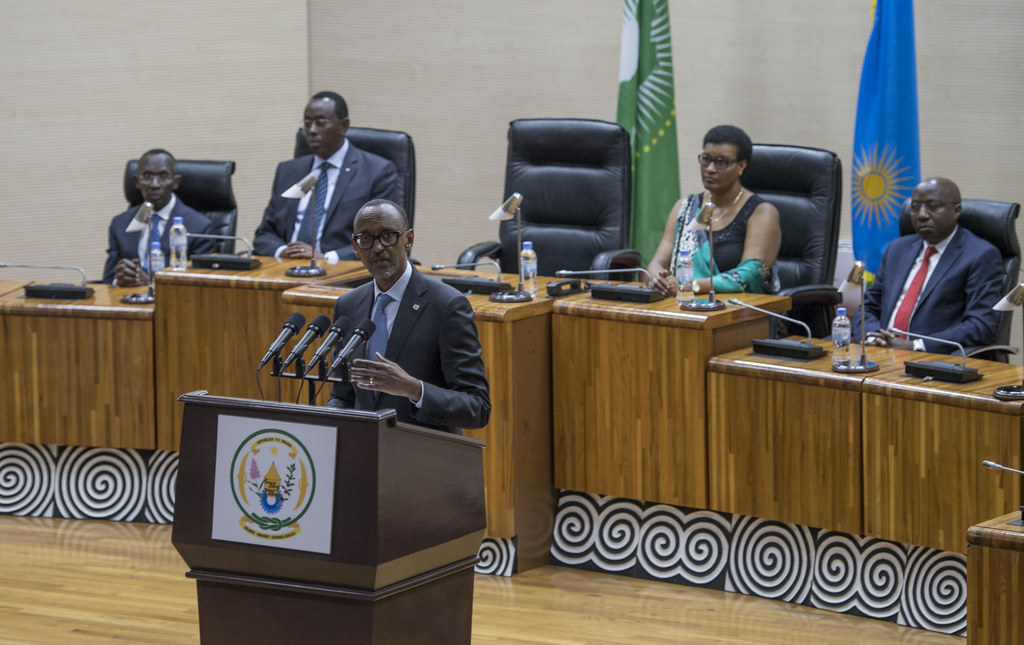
point(647, 109)
point(886, 148)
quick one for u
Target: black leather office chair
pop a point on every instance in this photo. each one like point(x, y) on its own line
point(206, 187)
point(993, 222)
point(805, 185)
point(574, 176)
point(393, 145)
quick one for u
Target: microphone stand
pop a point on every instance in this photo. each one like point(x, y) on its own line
point(519, 295)
point(311, 271)
point(856, 276)
point(709, 304)
point(939, 370)
point(149, 297)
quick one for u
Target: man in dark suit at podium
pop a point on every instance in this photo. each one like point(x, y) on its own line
point(941, 282)
point(349, 177)
point(428, 367)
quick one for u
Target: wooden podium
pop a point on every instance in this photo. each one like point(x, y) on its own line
point(392, 517)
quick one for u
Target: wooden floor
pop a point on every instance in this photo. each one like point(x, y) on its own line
point(68, 581)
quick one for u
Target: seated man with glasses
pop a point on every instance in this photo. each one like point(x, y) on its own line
point(745, 228)
point(941, 282)
point(128, 252)
point(424, 358)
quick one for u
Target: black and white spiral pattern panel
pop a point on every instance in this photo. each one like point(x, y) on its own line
point(858, 575)
point(596, 532)
point(497, 556)
point(687, 547)
point(935, 595)
point(100, 483)
point(27, 474)
point(771, 559)
point(161, 478)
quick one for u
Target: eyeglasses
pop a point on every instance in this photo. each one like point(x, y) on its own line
point(161, 178)
point(721, 163)
point(365, 241)
point(931, 207)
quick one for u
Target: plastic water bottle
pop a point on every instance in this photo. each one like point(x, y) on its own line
point(156, 258)
point(684, 278)
point(528, 260)
point(179, 245)
point(841, 339)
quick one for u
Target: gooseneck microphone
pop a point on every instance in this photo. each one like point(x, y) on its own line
point(995, 466)
point(783, 347)
point(315, 330)
point(334, 335)
point(620, 292)
point(939, 370)
point(360, 335)
point(291, 327)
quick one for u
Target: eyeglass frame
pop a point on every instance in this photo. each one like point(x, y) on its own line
point(375, 238)
point(721, 163)
point(931, 205)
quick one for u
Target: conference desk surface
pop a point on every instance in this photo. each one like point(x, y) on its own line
point(515, 339)
point(629, 384)
point(995, 580)
point(76, 372)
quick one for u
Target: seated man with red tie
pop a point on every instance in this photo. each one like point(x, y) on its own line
point(348, 178)
point(941, 282)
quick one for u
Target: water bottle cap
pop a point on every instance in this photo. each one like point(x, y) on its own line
point(527, 244)
point(684, 251)
point(154, 245)
point(841, 311)
point(176, 219)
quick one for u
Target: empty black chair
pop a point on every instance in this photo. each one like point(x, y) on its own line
point(575, 179)
point(206, 187)
point(393, 145)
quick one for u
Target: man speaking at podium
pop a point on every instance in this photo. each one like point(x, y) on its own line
point(424, 357)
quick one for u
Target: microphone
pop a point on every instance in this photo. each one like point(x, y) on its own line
point(211, 236)
point(783, 347)
point(302, 186)
point(508, 209)
point(993, 465)
point(360, 335)
point(140, 221)
point(314, 331)
point(940, 370)
point(474, 285)
point(620, 292)
point(291, 327)
point(334, 334)
point(54, 291)
point(225, 261)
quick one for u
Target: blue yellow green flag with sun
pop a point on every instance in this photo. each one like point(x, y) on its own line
point(647, 109)
point(886, 147)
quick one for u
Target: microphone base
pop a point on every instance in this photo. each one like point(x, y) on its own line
point(477, 285)
point(58, 291)
point(703, 304)
point(784, 348)
point(941, 371)
point(1009, 393)
point(224, 262)
point(856, 368)
point(511, 296)
point(624, 293)
point(144, 298)
point(311, 271)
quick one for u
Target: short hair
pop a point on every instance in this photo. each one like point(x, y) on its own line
point(386, 203)
point(732, 135)
point(340, 107)
point(160, 151)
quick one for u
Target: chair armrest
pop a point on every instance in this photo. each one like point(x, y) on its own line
point(479, 250)
point(999, 353)
point(616, 259)
point(821, 294)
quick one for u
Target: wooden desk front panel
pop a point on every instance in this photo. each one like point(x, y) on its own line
point(995, 581)
point(785, 451)
point(923, 479)
point(77, 372)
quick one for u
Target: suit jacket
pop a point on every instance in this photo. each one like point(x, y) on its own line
point(434, 339)
point(365, 176)
point(955, 304)
point(123, 245)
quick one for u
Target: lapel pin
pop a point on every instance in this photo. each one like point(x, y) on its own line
point(415, 307)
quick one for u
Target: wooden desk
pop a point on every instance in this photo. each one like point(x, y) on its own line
point(995, 581)
point(784, 437)
point(76, 372)
point(516, 343)
point(212, 328)
point(629, 387)
point(923, 447)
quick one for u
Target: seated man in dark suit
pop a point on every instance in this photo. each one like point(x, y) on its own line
point(157, 179)
point(941, 282)
point(352, 178)
point(428, 367)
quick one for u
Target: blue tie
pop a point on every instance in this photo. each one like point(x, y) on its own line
point(154, 236)
point(379, 339)
point(316, 207)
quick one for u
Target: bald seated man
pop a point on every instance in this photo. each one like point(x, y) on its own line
point(956, 283)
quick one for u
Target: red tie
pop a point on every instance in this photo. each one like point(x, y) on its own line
point(902, 320)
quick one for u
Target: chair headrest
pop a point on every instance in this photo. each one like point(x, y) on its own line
point(990, 220)
point(205, 185)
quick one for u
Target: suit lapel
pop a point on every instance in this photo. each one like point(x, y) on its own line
point(946, 260)
point(903, 265)
point(414, 302)
point(346, 173)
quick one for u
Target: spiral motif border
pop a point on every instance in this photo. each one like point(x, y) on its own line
point(771, 559)
point(858, 575)
point(100, 483)
point(162, 476)
point(935, 596)
point(497, 556)
point(27, 473)
point(685, 547)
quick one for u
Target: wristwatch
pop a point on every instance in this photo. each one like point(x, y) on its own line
point(695, 286)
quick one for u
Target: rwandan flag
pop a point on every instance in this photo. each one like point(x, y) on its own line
point(647, 109)
point(886, 146)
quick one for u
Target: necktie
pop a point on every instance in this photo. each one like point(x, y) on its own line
point(316, 207)
point(902, 319)
point(379, 339)
point(154, 235)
